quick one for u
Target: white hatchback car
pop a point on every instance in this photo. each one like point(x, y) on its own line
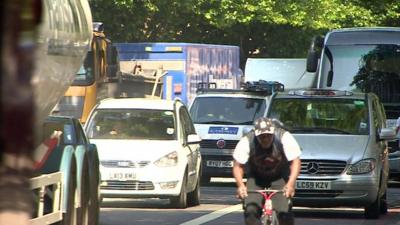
point(148, 148)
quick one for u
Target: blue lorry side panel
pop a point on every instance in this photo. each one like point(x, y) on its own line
point(178, 78)
point(126, 56)
point(148, 51)
point(188, 64)
point(212, 64)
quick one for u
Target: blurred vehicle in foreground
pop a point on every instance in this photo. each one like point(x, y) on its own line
point(77, 160)
point(63, 191)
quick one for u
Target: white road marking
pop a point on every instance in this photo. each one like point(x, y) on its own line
point(214, 215)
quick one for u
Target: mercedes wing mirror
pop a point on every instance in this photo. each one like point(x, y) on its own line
point(388, 134)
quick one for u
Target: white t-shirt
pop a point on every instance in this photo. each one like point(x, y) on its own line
point(290, 147)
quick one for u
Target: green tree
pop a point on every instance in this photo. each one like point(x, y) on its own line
point(262, 28)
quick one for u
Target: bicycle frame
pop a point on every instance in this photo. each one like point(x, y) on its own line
point(267, 217)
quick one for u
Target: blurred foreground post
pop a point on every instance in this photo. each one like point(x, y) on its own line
point(18, 28)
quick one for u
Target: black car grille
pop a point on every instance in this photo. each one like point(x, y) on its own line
point(322, 167)
point(216, 158)
point(124, 163)
point(128, 185)
point(319, 193)
point(229, 144)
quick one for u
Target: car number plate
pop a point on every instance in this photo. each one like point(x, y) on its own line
point(213, 163)
point(313, 185)
point(122, 176)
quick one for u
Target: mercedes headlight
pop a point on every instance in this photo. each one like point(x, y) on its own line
point(362, 166)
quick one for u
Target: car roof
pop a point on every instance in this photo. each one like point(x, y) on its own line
point(350, 95)
point(364, 35)
point(367, 29)
point(233, 95)
point(53, 118)
point(136, 103)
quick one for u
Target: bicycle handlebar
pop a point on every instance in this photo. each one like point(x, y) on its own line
point(266, 191)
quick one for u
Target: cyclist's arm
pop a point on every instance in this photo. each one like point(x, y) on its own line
point(295, 167)
point(292, 152)
point(238, 172)
point(240, 156)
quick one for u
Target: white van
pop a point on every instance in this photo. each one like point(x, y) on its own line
point(221, 117)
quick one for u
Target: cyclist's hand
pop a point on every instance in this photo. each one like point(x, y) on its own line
point(289, 191)
point(241, 192)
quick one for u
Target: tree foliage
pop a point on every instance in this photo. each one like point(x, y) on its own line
point(262, 28)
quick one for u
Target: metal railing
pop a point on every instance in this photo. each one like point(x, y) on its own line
point(42, 184)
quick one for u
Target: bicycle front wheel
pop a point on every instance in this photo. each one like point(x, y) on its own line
point(274, 218)
point(267, 220)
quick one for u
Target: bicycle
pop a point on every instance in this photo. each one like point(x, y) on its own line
point(269, 215)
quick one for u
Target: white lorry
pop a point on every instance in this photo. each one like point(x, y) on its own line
point(289, 71)
point(362, 59)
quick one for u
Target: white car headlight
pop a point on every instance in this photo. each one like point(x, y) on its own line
point(363, 166)
point(170, 159)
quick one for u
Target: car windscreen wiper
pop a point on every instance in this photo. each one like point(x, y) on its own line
point(245, 123)
point(216, 122)
point(328, 130)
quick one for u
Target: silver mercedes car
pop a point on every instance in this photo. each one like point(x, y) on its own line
point(343, 137)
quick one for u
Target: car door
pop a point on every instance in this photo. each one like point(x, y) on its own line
point(188, 128)
point(194, 147)
point(380, 122)
point(80, 135)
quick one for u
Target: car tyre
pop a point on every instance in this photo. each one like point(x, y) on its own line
point(70, 217)
point(94, 200)
point(205, 180)
point(84, 209)
point(194, 196)
point(383, 204)
point(373, 210)
point(180, 201)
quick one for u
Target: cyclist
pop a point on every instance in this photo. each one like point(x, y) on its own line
point(271, 156)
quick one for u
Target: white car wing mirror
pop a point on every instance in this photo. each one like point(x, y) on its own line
point(193, 139)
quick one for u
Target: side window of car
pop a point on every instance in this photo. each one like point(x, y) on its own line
point(188, 120)
point(377, 116)
point(187, 125)
point(81, 137)
point(382, 112)
point(182, 124)
point(69, 134)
